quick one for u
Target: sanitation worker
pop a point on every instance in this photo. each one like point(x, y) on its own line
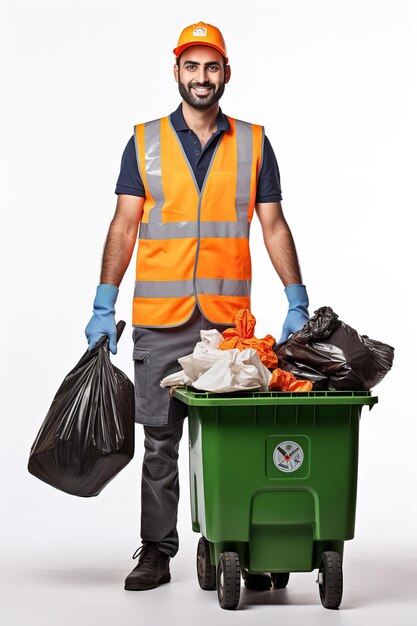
point(190, 182)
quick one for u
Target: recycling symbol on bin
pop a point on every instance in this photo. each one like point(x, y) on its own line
point(288, 456)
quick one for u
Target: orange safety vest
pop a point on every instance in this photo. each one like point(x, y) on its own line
point(193, 245)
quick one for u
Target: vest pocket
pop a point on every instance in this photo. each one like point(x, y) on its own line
point(142, 374)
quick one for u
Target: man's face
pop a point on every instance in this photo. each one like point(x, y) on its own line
point(201, 76)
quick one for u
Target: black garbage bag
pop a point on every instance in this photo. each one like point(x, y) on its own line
point(333, 355)
point(87, 436)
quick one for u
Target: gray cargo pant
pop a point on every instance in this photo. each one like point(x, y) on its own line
point(156, 351)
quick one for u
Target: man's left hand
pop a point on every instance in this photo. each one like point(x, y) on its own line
point(297, 314)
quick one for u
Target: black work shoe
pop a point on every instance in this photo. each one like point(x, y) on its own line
point(259, 582)
point(152, 569)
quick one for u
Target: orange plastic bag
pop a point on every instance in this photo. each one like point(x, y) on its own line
point(285, 381)
point(243, 337)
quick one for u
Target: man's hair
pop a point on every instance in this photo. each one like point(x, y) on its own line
point(178, 60)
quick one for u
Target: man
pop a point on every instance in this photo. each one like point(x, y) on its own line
point(192, 180)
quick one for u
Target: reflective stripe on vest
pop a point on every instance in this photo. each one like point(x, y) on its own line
point(194, 246)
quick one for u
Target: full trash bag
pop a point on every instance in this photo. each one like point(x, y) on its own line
point(87, 436)
point(333, 355)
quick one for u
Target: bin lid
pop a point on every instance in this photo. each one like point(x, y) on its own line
point(193, 397)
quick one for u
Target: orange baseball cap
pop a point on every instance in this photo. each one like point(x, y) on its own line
point(201, 34)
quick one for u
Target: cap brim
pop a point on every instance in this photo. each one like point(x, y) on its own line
point(177, 51)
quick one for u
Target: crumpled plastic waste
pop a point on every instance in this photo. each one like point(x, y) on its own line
point(285, 381)
point(211, 369)
point(242, 336)
point(333, 355)
point(225, 370)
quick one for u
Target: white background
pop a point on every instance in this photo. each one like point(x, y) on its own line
point(334, 83)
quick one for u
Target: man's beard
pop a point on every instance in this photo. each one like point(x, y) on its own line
point(197, 102)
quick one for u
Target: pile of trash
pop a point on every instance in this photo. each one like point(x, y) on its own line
point(209, 368)
point(325, 354)
point(234, 360)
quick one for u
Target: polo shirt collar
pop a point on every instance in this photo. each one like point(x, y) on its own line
point(179, 122)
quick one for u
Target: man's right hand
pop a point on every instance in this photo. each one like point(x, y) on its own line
point(103, 322)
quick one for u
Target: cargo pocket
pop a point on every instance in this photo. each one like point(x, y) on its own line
point(142, 365)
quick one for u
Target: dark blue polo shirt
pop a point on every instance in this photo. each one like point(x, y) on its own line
point(269, 185)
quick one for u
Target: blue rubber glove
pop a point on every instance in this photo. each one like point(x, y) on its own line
point(297, 314)
point(103, 323)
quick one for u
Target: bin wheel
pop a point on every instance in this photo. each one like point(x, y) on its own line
point(206, 572)
point(330, 580)
point(228, 580)
point(280, 579)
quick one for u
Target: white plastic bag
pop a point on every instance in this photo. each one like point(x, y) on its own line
point(211, 369)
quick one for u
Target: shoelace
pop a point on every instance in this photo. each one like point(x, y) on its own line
point(147, 551)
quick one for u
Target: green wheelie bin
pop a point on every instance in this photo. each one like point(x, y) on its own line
point(273, 480)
